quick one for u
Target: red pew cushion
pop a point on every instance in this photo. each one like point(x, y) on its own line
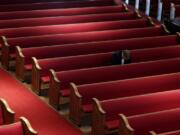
point(65, 92)
point(45, 79)
point(12, 129)
point(112, 124)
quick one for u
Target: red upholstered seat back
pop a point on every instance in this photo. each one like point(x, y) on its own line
point(60, 12)
point(141, 104)
point(12, 129)
point(15, 23)
point(73, 28)
point(96, 47)
point(156, 121)
point(94, 75)
point(1, 116)
point(75, 62)
point(129, 87)
point(84, 37)
point(155, 53)
point(53, 5)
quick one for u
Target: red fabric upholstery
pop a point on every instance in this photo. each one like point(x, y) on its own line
point(167, 4)
point(112, 124)
point(156, 121)
point(84, 76)
point(53, 5)
point(1, 116)
point(13, 129)
point(129, 87)
point(73, 28)
point(177, 132)
point(140, 104)
point(59, 12)
point(46, 40)
point(96, 47)
point(15, 23)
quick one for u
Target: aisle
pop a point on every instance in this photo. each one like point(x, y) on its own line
point(44, 119)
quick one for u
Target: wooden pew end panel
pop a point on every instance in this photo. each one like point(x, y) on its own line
point(124, 127)
point(8, 114)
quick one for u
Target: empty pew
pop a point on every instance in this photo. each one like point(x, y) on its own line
point(105, 113)
point(53, 5)
point(9, 44)
point(22, 127)
point(24, 55)
point(177, 132)
point(142, 124)
point(7, 116)
point(81, 95)
point(62, 12)
point(28, 22)
point(41, 67)
point(74, 28)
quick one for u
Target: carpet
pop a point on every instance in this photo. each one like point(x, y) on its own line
point(42, 117)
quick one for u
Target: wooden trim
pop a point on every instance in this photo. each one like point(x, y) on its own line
point(36, 76)
point(151, 21)
point(152, 133)
point(138, 14)
point(20, 70)
point(8, 114)
point(98, 119)
point(75, 108)
point(5, 58)
point(165, 29)
point(178, 37)
point(125, 128)
point(125, 7)
point(27, 128)
point(54, 90)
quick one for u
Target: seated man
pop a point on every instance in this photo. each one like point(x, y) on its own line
point(121, 57)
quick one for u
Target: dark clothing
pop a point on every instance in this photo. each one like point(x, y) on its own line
point(117, 58)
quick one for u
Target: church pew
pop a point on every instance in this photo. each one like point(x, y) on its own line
point(89, 61)
point(24, 55)
point(177, 132)
point(21, 127)
point(142, 124)
point(7, 116)
point(29, 22)
point(81, 95)
point(74, 28)
point(9, 44)
point(55, 5)
point(105, 113)
point(62, 12)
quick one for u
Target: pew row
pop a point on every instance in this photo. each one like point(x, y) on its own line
point(177, 132)
point(105, 113)
point(62, 12)
point(22, 127)
point(9, 44)
point(41, 68)
point(57, 20)
point(24, 55)
point(81, 95)
point(142, 124)
point(74, 28)
point(7, 116)
point(55, 5)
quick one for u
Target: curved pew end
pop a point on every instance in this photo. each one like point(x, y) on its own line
point(124, 127)
point(28, 130)
point(19, 70)
point(36, 69)
point(5, 55)
point(75, 113)
point(98, 118)
point(7, 113)
point(54, 89)
point(152, 133)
